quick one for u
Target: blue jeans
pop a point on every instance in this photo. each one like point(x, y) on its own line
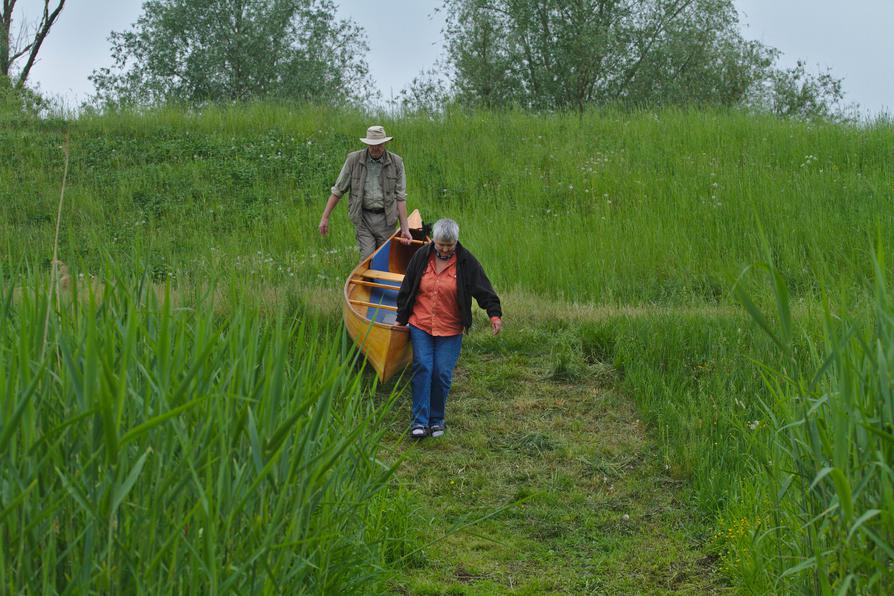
point(433, 361)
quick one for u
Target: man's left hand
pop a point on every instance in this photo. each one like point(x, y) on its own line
point(405, 237)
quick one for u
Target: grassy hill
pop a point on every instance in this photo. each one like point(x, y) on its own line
point(746, 456)
point(609, 208)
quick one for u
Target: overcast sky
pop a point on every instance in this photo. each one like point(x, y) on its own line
point(854, 38)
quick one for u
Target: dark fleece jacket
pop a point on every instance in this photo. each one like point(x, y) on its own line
point(471, 282)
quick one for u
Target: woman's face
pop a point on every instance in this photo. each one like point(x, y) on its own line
point(445, 249)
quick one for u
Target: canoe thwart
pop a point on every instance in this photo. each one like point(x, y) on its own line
point(372, 304)
point(386, 275)
point(372, 284)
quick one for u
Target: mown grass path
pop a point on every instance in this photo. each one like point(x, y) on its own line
point(581, 500)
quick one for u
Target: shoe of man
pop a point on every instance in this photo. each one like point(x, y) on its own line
point(436, 430)
point(418, 432)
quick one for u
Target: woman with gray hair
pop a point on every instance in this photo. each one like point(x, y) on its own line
point(435, 299)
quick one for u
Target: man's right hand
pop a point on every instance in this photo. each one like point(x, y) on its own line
point(324, 226)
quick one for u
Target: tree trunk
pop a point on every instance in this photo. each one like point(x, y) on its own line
point(5, 27)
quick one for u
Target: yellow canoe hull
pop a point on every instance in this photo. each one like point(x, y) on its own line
point(369, 305)
point(386, 347)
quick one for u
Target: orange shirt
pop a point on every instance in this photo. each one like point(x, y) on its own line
point(436, 310)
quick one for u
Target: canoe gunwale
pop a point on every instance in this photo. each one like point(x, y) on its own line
point(359, 321)
point(361, 315)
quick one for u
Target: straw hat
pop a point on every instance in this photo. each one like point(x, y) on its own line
point(375, 135)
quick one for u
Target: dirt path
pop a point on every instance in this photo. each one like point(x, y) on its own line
point(599, 511)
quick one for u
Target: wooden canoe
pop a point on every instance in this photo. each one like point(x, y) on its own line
point(370, 303)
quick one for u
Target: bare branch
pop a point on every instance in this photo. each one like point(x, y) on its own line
point(43, 29)
point(18, 55)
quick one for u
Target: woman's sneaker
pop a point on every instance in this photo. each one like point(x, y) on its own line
point(436, 430)
point(418, 432)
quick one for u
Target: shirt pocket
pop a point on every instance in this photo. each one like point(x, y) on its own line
point(390, 184)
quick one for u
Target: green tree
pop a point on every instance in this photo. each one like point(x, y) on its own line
point(198, 51)
point(481, 55)
point(794, 92)
point(427, 93)
point(690, 52)
point(568, 54)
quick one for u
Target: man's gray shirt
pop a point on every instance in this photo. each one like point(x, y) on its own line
point(372, 195)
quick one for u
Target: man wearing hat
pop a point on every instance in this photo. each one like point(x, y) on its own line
point(378, 186)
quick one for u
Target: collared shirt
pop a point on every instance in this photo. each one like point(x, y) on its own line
point(373, 180)
point(436, 310)
point(373, 197)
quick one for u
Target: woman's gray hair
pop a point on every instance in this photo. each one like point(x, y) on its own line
point(446, 231)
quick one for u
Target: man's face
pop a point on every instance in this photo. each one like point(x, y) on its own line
point(377, 151)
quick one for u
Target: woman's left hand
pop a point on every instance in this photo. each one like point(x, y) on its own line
point(496, 323)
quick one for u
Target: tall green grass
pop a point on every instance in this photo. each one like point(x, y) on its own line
point(783, 437)
point(608, 207)
point(826, 479)
point(149, 445)
point(780, 419)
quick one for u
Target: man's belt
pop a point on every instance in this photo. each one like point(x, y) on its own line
point(379, 210)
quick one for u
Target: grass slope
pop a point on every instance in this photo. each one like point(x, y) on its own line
point(621, 208)
point(584, 502)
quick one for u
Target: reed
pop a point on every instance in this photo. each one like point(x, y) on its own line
point(825, 479)
point(160, 449)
